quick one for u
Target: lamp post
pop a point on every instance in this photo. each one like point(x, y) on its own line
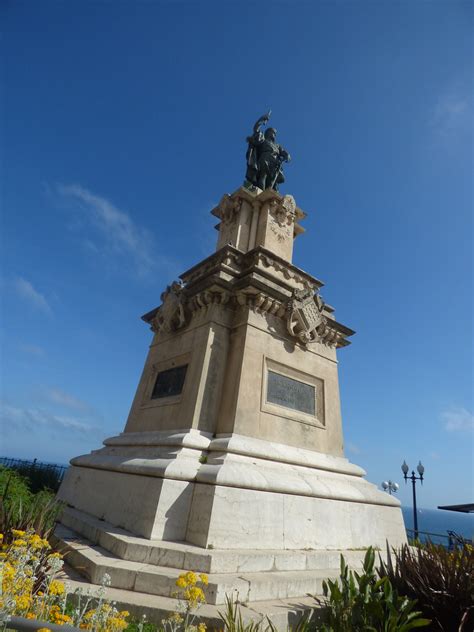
point(413, 479)
point(390, 486)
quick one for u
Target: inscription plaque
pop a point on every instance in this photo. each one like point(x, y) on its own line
point(170, 382)
point(290, 393)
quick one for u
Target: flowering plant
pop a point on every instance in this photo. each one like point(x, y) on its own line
point(29, 588)
point(191, 596)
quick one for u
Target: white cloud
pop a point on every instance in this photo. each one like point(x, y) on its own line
point(32, 350)
point(352, 448)
point(26, 290)
point(451, 113)
point(28, 419)
point(119, 233)
point(458, 420)
point(62, 398)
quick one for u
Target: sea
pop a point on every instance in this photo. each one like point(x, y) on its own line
point(440, 521)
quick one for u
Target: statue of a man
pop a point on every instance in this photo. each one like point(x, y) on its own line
point(265, 157)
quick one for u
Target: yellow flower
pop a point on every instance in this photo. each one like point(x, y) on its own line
point(191, 578)
point(52, 556)
point(56, 587)
point(204, 579)
point(181, 582)
point(89, 614)
point(124, 614)
point(202, 627)
point(17, 533)
point(194, 595)
point(37, 543)
point(23, 602)
point(43, 630)
point(1, 538)
point(19, 542)
point(114, 623)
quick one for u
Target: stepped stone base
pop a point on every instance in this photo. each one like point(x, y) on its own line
point(94, 548)
point(282, 612)
point(273, 583)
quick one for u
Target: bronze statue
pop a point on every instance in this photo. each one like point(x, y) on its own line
point(265, 157)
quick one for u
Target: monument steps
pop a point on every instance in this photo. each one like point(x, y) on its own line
point(282, 612)
point(146, 566)
point(94, 562)
point(185, 556)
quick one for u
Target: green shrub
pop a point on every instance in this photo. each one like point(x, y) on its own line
point(21, 509)
point(441, 581)
point(39, 475)
point(363, 603)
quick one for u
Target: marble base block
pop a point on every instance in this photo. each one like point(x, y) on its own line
point(231, 492)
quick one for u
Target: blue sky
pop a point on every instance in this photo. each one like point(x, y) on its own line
point(124, 123)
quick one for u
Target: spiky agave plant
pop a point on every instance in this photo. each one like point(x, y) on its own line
point(441, 581)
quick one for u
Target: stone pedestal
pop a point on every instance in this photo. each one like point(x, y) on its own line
point(261, 218)
point(234, 439)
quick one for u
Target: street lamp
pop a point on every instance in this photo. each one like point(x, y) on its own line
point(420, 469)
point(391, 487)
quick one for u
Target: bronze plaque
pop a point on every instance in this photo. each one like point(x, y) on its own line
point(290, 393)
point(170, 382)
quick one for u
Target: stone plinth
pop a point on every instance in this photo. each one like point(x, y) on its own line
point(234, 439)
point(259, 218)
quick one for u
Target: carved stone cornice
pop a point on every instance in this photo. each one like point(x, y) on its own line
point(228, 258)
point(271, 262)
point(259, 280)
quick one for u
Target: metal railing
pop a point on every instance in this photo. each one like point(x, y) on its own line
point(31, 625)
point(449, 540)
point(40, 474)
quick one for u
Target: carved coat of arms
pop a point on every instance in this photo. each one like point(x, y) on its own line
point(283, 217)
point(304, 316)
point(171, 314)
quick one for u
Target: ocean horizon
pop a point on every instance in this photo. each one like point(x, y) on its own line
point(440, 521)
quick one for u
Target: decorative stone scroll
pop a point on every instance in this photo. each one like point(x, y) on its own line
point(171, 314)
point(228, 209)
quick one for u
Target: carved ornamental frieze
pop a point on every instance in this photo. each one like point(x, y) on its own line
point(171, 315)
point(305, 320)
point(259, 281)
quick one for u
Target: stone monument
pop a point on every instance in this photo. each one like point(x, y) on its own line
point(231, 461)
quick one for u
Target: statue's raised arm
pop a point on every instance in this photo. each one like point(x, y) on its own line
point(264, 157)
point(263, 120)
point(252, 150)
